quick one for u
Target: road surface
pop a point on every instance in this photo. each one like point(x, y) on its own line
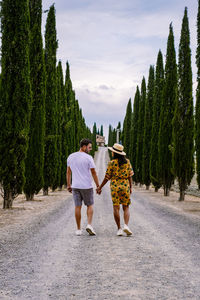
point(48, 261)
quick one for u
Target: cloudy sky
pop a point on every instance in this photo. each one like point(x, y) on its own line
point(110, 45)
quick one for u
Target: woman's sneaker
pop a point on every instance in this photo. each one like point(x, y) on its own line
point(120, 232)
point(79, 232)
point(127, 230)
point(90, 230)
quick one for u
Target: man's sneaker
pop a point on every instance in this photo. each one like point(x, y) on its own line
point(127, 230)
point(120, 232)
point(79, 232)
point(90, 230)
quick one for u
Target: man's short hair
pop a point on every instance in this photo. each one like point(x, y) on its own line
point(85, 142)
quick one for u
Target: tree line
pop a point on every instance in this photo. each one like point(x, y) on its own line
point(41, 121)
point(161, 132)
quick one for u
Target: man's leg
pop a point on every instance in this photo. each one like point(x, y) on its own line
point(90, 214)
point(78, 216)
point(116, 214)
point(88, 199)
point(78, 204)
point(89, 227)
point(126, 214)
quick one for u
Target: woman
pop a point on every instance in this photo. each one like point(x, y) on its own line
point(119, 172)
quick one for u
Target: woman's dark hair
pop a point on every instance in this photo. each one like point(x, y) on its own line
point(121, 158)
point(85, 142)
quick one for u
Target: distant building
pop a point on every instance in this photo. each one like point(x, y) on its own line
point(100, 140)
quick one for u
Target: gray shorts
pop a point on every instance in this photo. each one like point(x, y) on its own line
point(85, 195)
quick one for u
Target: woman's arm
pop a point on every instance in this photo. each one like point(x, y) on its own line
point(102, 184)
point(130, 184)
point(107, 177)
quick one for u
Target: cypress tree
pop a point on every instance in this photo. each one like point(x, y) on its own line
point(166, 116)
point(94, 134)
point(79, 115)
point(148, 129)
point(110, 141)
point(126, 129)
point(118, 131)
point(63, 124)
point(158, 89)
point(68, 85)
point(77, 125)
point(84, 130)
point(101, 130)
point(140, 135)
point(70, 111)
point(15, 97)
point(59, 120)
point(35, 155)
point(134, 133)
point(114, 136)
point(183, 123)
point(88, 133)
point(131, 137)
point(197, 111)
point(74, 129)
point(51, 157)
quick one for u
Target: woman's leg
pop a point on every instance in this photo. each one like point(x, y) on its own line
point(116, 214)
point(126, 214)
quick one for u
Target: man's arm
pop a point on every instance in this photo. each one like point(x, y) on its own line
point(94, 175)
point(69, 172)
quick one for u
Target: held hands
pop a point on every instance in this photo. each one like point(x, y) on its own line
point(98, 190)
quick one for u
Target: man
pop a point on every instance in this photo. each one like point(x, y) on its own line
point(82, 166)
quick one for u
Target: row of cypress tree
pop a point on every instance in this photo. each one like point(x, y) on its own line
point(112, 136)
point(158, 133)
point(97, 130)
point(40, 119)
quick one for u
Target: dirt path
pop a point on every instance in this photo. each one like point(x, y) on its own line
point(47, 261)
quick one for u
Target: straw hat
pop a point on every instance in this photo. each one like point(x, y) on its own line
point(117, 148)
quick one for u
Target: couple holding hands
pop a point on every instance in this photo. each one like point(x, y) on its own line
point(119, 171)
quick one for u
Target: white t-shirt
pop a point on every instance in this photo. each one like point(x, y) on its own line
point(81, 164)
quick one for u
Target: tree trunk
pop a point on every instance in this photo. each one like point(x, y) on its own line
point(182, 195)
point(29, 197)
point(45, 192)
point(147, 187)
point(166, 191)
point(8, 199)
point(156, 189)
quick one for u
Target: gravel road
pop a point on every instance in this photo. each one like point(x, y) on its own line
point(45, 260)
